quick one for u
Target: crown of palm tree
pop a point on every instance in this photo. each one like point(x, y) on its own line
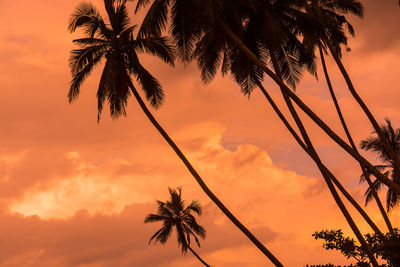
point(114, 41)
point(197, 35)
point(324, 20)
point(268, 32)
point(174, 214)
point(374, 144)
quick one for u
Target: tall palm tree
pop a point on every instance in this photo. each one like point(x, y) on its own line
point(260, 64)
point(365, 175)
point(200, 22)
point(322, 14)
point(116, 43)
point(274, 46)
point(331, 29)
point(174, 215)
point(374, 144)
point(207, 45)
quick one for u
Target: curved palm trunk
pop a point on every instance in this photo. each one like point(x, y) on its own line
point(308, 147)
point(349, 137)
point(378, 130)
point(320, 165)
point(309, 112)
point(325, 169)
point(198, 257)
point(201, 182)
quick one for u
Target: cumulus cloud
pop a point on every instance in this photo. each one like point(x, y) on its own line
point(95, 218)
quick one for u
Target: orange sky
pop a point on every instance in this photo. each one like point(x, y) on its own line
point(75, 193)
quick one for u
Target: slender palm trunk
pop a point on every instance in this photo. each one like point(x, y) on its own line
point(368, 113)
point(309, 112)
point(325, 169)
point(320, 165)
point(308, 147)
point(201, 182)
point(349, 137)
point(198, 257)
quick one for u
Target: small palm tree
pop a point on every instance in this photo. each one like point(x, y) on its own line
point(174, 214)
point(374, 144)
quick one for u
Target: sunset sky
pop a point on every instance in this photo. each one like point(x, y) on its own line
point(74, 192)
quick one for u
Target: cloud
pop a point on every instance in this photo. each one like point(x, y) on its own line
point(82, 188)
point(95, 217)
point(102, 240)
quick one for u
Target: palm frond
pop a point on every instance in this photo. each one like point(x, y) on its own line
point(79, 58)
point(156, 18)
point(150, 85)
point(181, 238)
point(154, 218)
point(195, 207)
point(156, 234)
point(119, 18)
point(186, 32)
point(208, 55)
point(376, 185)
point(190, 221)
point(157, 46)
point(86, 16)
point(353, 7)
point(79, 77)
point(189, 233)
point(84, 42)
point(288, 62)
point(119, 93)
point(104, 87)
point(166, 233)
point(140, 4)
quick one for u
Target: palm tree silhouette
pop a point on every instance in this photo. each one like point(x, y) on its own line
point(323, 16)
point(191, 20)
point(187, 25)
point(276, 45)
point(116, 43)
point(174, 215)
point(260, 64)
point(324, 13)
point(206, 39)
point(374, 144)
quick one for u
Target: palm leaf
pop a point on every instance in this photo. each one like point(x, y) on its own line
point(156, 18)
point(80, 76)
point(157, 46)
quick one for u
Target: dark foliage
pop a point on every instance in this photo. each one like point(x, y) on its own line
point(115, 42)
point(385, 247)
point(174, 215)
point(388, 168)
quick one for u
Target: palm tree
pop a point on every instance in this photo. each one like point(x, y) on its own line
point(174, 214)
point(116, 43)
point(283, 68)
point(323, 16)
point(207, 47)
point(218, 22)
point(374, 144)
point(316, 36)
